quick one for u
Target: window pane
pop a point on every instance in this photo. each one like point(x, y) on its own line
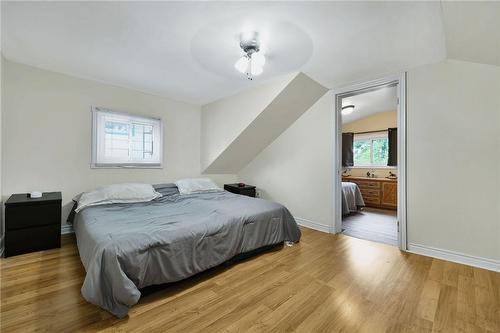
point(116, 141)
point(121, 139)
point(142, 142)
point(361, 152)
point(116, 128)
point(380, 151)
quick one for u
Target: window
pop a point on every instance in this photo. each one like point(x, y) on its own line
point(371, 149)
point(123, 140)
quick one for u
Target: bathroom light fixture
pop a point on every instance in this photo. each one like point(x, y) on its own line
point(252, 62)
point(348, 109)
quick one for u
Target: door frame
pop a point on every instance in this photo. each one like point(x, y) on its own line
point(400, 81)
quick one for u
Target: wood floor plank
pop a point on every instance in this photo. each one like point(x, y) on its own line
point(326, 283)
point(446, 313)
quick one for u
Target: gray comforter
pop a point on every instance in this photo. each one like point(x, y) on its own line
point(352, 200)
point(125, 247)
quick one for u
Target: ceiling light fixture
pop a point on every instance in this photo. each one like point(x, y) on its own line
point(252, 62)
point(348, 109)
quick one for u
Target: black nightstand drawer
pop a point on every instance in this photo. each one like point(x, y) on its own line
point(19, 217)
point(32, 239)
point(247, 190)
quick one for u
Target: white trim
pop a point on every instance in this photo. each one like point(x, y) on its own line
point(312, 225)
point(337, 164)
point(67, 229)
point(338, 94)
point(461, 258)
point(402, 148)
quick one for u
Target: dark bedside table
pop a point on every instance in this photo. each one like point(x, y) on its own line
point(32, 224)
point(247, 190)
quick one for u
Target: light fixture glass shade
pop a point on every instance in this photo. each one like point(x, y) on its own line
point(347, 110)
point(256, 70)
point(242, 64)
point(258, 59)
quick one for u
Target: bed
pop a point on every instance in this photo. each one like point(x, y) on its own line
point(352, 200)
point(126, 247)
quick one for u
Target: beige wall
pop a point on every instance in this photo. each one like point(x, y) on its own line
point(453, 160)
point(223, 120)
point(378, 121)
point(47, 133)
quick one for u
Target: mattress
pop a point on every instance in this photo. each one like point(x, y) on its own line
point(125, 247)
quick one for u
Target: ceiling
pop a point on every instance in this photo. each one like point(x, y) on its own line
point(369, 103)
point(473, 31)
point(186, 50)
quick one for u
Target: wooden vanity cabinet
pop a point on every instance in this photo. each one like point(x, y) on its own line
point(377, 192)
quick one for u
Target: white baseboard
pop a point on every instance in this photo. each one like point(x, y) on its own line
point(67, 229)
point(312, 225)
point(461, 258)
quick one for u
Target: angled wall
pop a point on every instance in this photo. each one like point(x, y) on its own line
point(285, 107)
point(296, 169)
point(223, 120)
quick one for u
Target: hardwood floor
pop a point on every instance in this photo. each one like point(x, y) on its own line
point(327, 283)
point(374, 224)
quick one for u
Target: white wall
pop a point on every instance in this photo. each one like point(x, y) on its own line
point(296, 168)
point(453, 157)
point(453, 160)
point(223, 120)
point(47, 133)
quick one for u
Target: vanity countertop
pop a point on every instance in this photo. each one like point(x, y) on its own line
point(385, 179)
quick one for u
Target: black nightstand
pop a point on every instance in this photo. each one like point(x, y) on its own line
point(247, 190)
point(32, 224)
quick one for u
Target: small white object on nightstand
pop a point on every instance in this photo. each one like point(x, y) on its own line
point(35, 194)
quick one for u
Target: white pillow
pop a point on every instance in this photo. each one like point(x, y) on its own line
point(117, 193)
point(196, 185)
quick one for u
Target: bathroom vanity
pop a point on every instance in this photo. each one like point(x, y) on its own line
point(377, 192)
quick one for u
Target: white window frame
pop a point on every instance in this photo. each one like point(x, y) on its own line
point(370, 136)
point(97, 159)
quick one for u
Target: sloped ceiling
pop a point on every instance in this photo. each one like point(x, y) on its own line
point(472, 31)
point(369, 103)
point(186, 50)
point(296, 98)
point(223, 120)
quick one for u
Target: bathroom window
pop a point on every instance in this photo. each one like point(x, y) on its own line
point(125, 140)
point(371, 149)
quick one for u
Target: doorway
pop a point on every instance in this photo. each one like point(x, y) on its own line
point(370, 161)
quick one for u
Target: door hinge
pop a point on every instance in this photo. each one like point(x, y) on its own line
point(398, 226)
